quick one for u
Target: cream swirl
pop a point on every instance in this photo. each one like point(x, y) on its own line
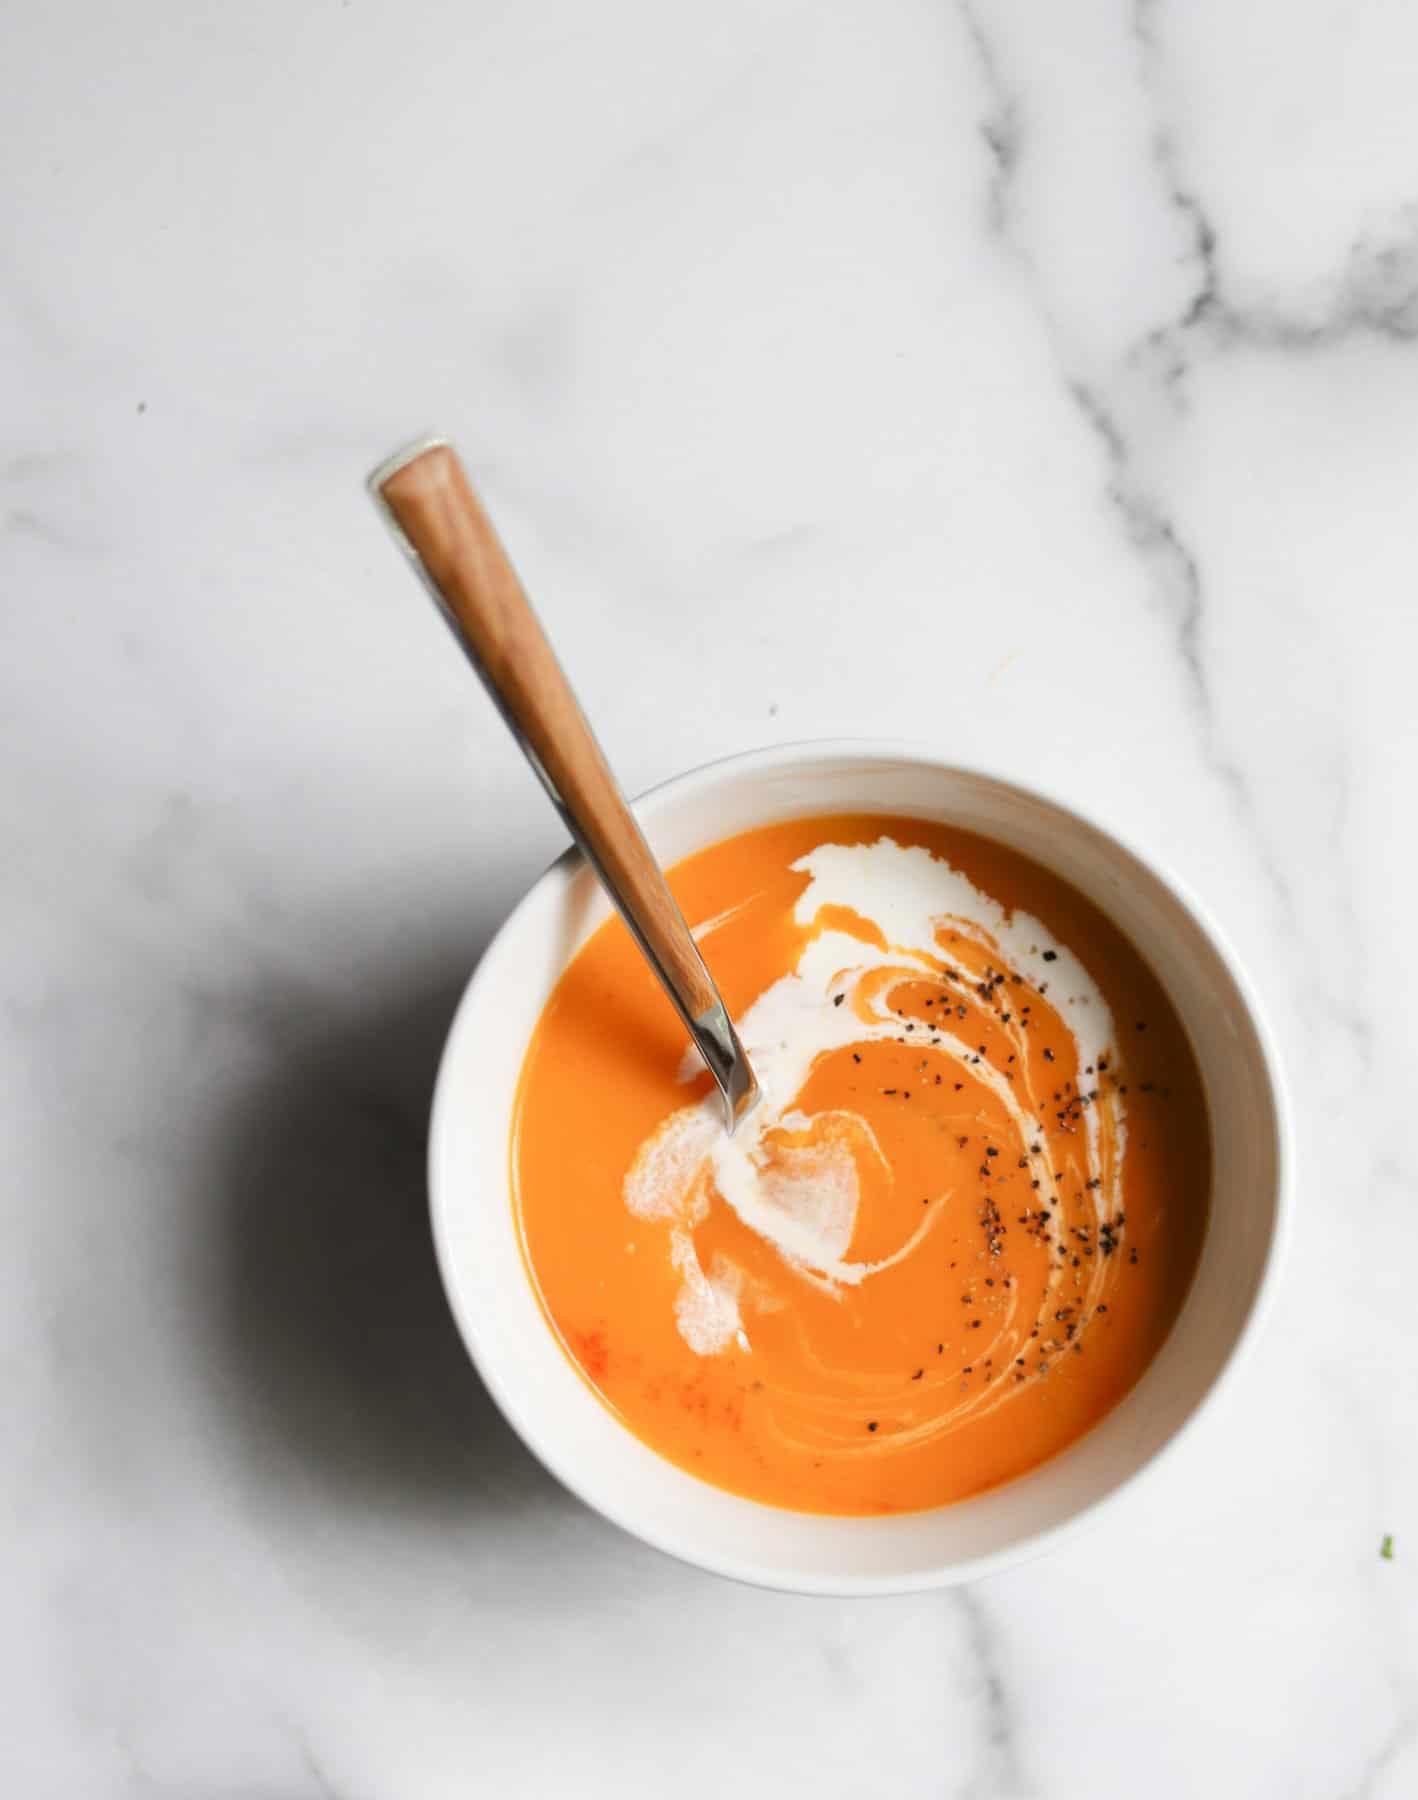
point(877, 917)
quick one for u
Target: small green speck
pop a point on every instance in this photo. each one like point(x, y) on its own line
point(1386, 1547)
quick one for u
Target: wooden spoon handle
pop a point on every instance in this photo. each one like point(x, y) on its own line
point(452, 541)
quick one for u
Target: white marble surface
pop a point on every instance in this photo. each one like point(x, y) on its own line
point(1037, 381)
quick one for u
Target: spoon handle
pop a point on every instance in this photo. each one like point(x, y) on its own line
point(451, 540)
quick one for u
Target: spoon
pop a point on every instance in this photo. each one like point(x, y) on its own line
point(430, 505)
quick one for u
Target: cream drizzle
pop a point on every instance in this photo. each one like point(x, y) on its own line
point(794, 1180)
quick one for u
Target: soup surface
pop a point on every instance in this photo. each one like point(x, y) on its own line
point(958, 1224)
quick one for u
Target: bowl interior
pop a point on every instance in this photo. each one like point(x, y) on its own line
point(564, 1423)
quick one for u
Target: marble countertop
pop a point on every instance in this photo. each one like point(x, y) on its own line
point(1037, 382)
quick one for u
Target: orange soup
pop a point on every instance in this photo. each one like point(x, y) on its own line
point(960, 1220)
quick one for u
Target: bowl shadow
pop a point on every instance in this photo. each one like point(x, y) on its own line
point(339, 1351)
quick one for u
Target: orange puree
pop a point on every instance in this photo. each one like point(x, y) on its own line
point(960, 1222)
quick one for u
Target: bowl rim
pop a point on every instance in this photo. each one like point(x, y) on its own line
point(804, 752)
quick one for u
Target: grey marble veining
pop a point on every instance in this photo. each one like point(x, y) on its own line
point(1041, 384)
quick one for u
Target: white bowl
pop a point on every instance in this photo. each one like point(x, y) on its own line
point(580, 1441)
